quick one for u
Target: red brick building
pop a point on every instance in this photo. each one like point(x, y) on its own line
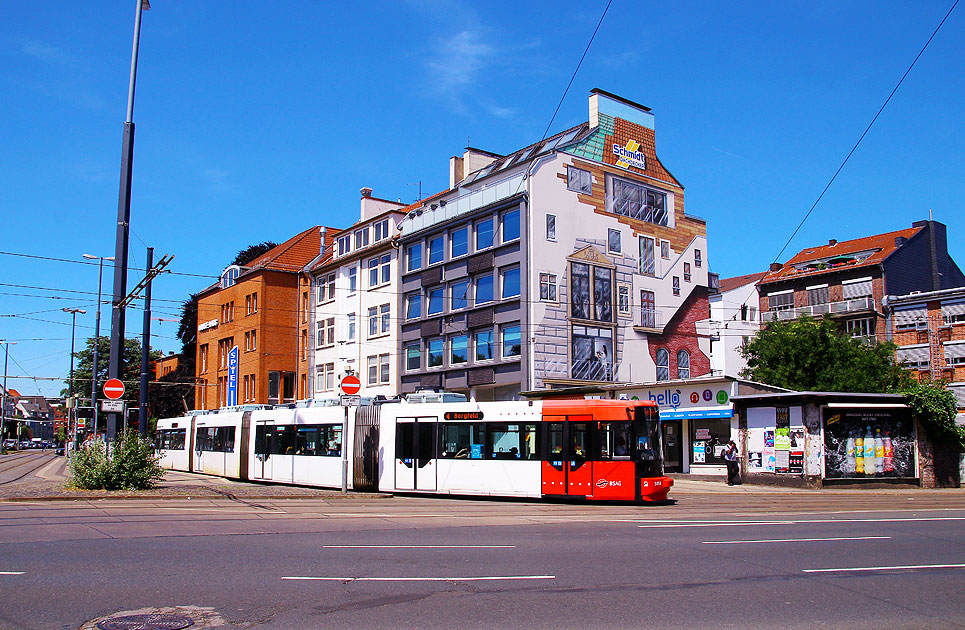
point(255, 308)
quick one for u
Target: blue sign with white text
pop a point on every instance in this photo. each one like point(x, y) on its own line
point(231, 397)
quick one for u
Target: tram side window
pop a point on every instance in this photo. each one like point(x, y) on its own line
point(462, 441)
point(615, 440)
point(215, 439)
point(554, 440)
point(171, 439)
point(512, 441)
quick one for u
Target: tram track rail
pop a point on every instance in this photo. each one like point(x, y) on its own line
point(42, 460)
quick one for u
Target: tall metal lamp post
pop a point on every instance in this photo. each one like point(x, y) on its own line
point(97, 333)
point(3, 410)
point(123, 224)
point(70, 384)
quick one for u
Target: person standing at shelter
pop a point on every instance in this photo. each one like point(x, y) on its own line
point(733, 469)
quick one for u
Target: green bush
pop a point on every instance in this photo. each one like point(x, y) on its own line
point(133, 465)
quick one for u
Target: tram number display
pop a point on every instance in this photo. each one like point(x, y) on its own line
point(463, 415)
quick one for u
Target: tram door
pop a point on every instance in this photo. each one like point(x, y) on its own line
point(567, 469)
point(263, 434)
point(415, 453)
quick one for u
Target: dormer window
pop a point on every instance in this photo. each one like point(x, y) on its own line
point(229, 276)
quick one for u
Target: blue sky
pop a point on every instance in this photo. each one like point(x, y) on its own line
point(256, 120)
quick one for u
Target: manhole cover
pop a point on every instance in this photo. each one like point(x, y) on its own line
point(146, 622)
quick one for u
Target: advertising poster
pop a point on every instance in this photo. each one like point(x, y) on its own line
point(768, 454)
point(869, 443)
point(700, 452)
point(796, 457)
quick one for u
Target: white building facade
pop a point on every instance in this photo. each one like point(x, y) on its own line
point(733, 323)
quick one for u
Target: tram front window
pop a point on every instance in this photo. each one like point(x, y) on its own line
point(646, 445)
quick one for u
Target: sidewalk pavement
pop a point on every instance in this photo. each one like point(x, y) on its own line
point(51, 485)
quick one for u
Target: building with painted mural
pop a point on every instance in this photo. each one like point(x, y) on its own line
point(351, 291)
point(568, 262)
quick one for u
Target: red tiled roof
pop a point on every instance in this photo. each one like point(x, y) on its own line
point(727, 284)
point(293, 254)
point(880, 245)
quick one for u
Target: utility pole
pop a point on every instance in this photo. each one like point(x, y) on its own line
point(123, 224)
point(145, 348)
point(3, 412)
point(97, 334)
point(70, 384)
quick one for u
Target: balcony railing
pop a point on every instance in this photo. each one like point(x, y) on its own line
point(844, 307)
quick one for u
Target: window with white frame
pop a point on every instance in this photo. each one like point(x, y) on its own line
point(361, 238)
point(353, 276)
point(344, 245)
point(413, 356)
point(511, 341)
point(435, 249)
point(413, 305)
point(413, 257)
point(484, 234)
point(818, 295)
point(698, 259)
point(350, 327)
point(623, 299)
point(676, 285)
point(459, 294)
point(385, 311)
point(373, 321)
point(511, 226)
point(458, 349)
point(864, 327)
point(383, 368)
point(648, 309)
point(484, 340)
point(665, 250)
point(483, 289)
point(633, 200)
point(591, 302)
point(326, 288)
point(373, 369)
point(686, 272)
point(547, 287)
point(614, 244)
point(381, 230)
point(434, 352)
point(550, 227)
point(379, 270)
point(510, 283)
point(435, 300)
point(325, 377)
point(459, 242)
point(325, 332)
point(579, 180)
point(648, 265)
point(781, 301)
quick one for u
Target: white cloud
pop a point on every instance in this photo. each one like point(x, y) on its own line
point(459, 60)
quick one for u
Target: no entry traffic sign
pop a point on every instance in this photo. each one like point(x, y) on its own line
point(350, 384)
point(114, 388)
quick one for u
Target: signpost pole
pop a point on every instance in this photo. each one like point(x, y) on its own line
point(350, 386)
point(345, 452)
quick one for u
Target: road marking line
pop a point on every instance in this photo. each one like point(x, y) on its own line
point(896, 568)
point(423, 579)
point(11, 572)
point(780, 540)
point(651, 524)
point(418, 546)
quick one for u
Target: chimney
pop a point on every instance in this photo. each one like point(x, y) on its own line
point(366, 191)
point(776, 266)
point(455, 171)
point(321, 236)
point(832, 242)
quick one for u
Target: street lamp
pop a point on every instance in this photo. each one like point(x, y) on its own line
point(70, 384)
point(3, 411)
point(97, 331)
point(123, 224)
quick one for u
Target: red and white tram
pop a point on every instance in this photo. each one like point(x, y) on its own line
point(589, 449)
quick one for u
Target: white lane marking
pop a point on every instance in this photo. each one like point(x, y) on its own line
point(11, 572)
point(783, 540)
point(895, 568)
point(418, 546)
point(651, 524)
point(480, 578)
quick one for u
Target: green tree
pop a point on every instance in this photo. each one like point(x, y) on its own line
point(936, 407)
point(251, 252)
point(130, 368)
point(814, 355)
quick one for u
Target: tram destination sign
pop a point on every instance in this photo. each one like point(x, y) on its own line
point(463, 415)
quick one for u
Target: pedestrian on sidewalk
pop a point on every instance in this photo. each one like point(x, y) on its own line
point(733, 468)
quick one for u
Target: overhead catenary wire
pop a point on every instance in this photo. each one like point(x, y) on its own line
point(865, 132)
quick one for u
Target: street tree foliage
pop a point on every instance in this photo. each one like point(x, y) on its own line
point(251, 252)
point(936, 407)
point(130, 368)
point(814, 355)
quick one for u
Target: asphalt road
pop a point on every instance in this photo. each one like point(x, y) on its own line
point(778, 560)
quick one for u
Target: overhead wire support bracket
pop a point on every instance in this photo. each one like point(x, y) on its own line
point(152, 273)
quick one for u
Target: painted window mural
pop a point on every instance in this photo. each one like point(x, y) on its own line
point(869, 443)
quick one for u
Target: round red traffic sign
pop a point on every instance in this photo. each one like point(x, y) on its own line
point(114, 388)
point(350, 384)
